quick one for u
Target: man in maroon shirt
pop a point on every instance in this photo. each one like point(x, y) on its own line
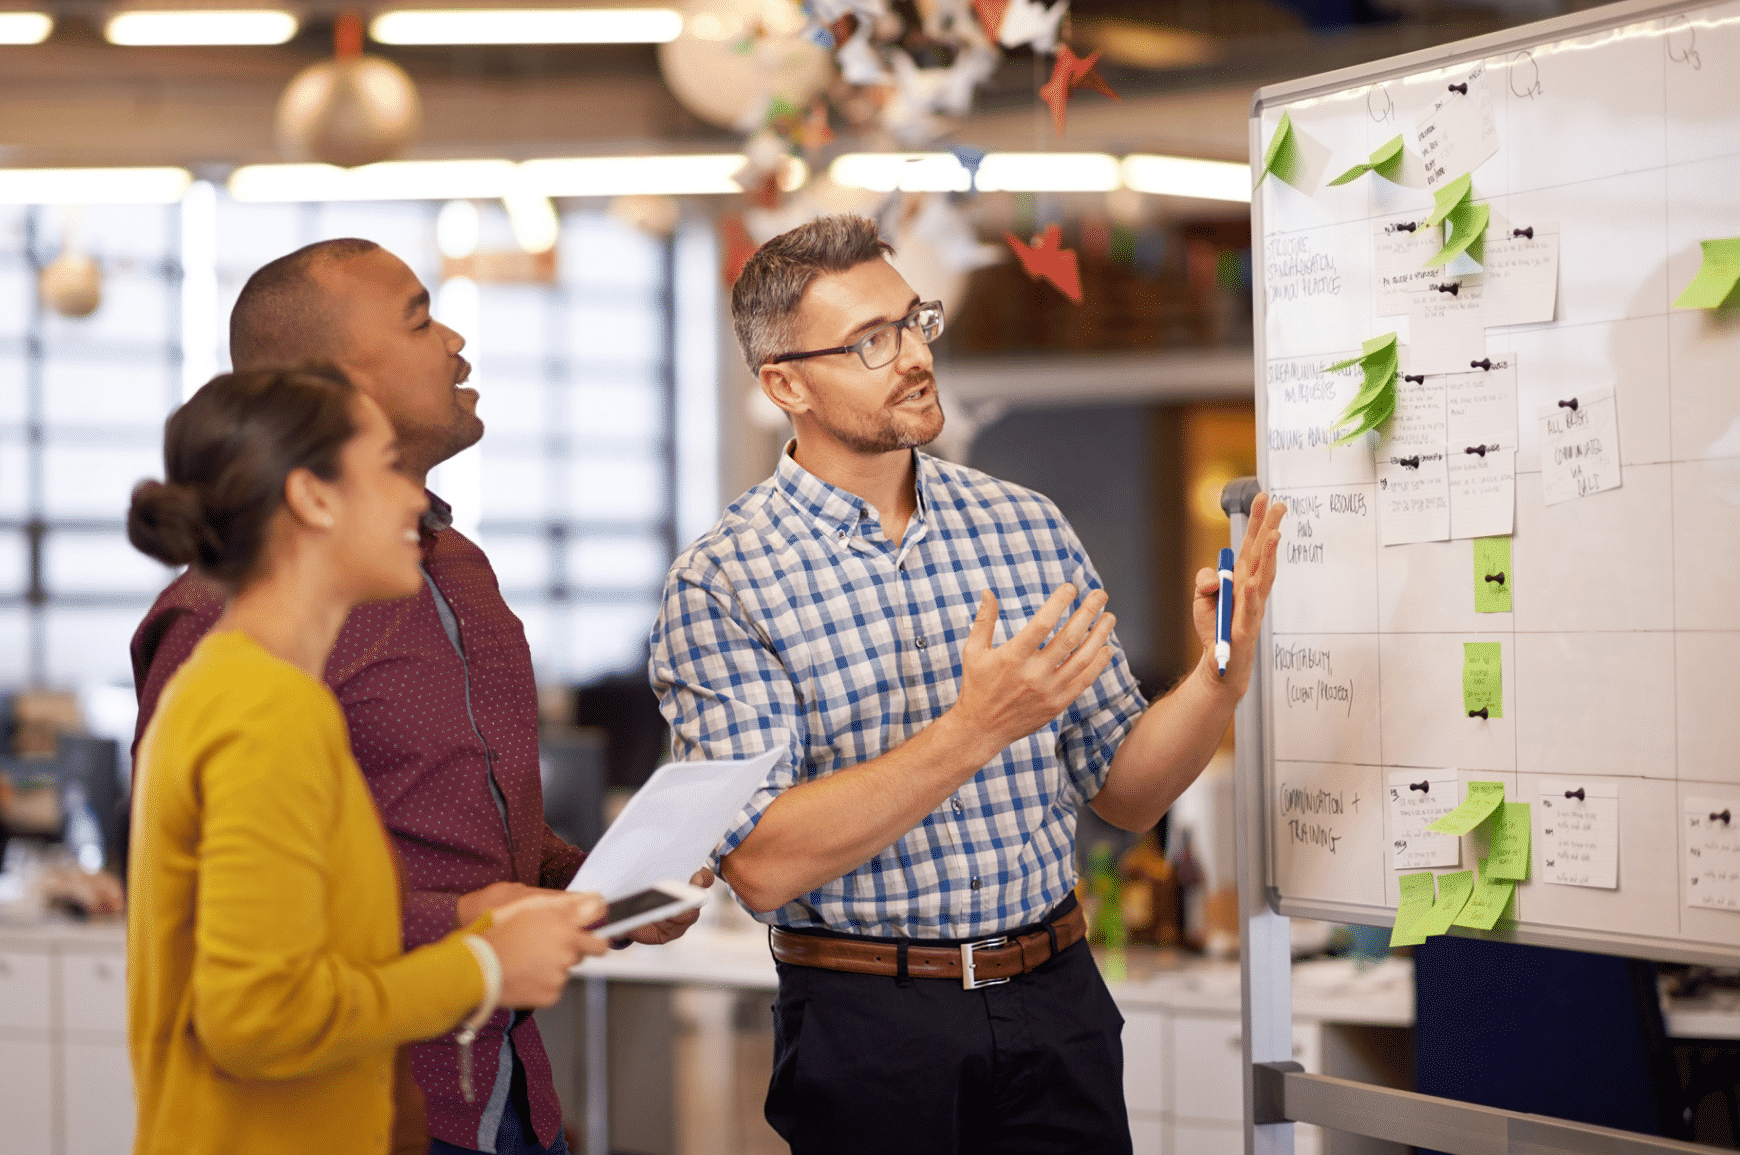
point(437, 689)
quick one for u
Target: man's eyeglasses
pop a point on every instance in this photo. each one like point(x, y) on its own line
point(881, 345)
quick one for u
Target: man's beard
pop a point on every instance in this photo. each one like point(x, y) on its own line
point(887, 430)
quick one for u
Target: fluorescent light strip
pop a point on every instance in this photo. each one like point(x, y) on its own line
point(195, 27)
point(998, 172)
point(93, 186)
point(528, 26)
point(598, 176)
point(25, 27)
point(1186, 177)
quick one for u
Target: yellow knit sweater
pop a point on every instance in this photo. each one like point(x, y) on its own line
point(267, 989)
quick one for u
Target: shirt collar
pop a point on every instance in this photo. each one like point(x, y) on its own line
point(437, 517)
point(834, 511)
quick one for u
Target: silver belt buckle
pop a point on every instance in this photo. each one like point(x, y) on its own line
point(970, 981)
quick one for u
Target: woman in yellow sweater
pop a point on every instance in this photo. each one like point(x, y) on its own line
point(267, 988)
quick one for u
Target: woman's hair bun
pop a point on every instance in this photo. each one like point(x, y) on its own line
point(168, 522)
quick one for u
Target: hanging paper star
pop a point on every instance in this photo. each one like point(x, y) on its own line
point(1030, 22)
point(739, 246)
point(1372, 406)
point(815, 131)
point(971, 159)
point(1046, 259)
point(1386, 162)
point(1068, 74)
point(991, 15)
point(1465, 222)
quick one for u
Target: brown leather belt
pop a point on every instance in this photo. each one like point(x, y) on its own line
point(975, 964)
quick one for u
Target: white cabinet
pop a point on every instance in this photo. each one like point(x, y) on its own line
point(24, 990)
point(94, 993)
point(1144, 1073)
point(1147, 1134)
point(1197, 1138)
point(26, 1096)
point(98, 1101)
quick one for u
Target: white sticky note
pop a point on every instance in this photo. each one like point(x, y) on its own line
point(1418, 798)
point(1521, 274)
point(1480, 412)
point(1447, 332)
point(1579, 445)
point(1413, 479)
point(1580, 832)
point(1712, 847)
point(1457, 133)
point(1482, 493)
point(1400, 250)
point(1480, 404)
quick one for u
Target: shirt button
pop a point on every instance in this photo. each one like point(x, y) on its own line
point(920, 642)
point(959, 809)
point(975, 884)
point(862, 514)
point(841, 534)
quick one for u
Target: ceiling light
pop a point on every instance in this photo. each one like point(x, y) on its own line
point(1180, 176)
point(93, 186)
point(393, 180)
point(25, 27)
point(528, 26)
point(610, 176)
point(251, 26)
point(998, 172)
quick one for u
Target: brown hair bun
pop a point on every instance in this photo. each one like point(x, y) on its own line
point(168, 522)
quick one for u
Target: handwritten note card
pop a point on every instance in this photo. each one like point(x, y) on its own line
point(1579, 445)
point(1400, 250)
point(1419, 891)
point(1476, 807)
point(1712, 841)
point(1483, 679)
point(1521, 274)
point(1492, 575)
point(1480, 410)
point(1491, 899)
point(1446, 332)
point(1580, 832)
point(1417, 798)
point(1413, 478)
point(1304, 402)
point(1457, 133)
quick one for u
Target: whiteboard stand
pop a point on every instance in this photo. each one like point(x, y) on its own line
point(1278, 1092)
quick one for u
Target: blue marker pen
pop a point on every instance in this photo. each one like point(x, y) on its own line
point(1223, 612)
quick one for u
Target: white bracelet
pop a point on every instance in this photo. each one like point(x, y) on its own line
point(490, 965)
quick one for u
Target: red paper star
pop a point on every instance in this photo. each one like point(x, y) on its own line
point(1068, 74)
point(739, 246)
point(815, 131)
point(1045, 258)
point(991, 14)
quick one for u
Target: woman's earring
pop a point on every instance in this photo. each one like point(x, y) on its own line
point(327, 521)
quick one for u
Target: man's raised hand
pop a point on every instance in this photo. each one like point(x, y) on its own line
point(1253, 578)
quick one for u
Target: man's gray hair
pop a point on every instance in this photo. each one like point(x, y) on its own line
point(765, 299)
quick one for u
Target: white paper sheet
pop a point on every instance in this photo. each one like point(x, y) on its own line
point(1579, 446)
point(1580, 836)
point(1520, 275)
point(1712, 842)
point(672, 824)
point(1447, 332)
point(1304, 402)
point(1399, 256)
point(1412, 809)
point(1457, 133)
point(1480, 404)
point(1413, 478)
point(1481, 416)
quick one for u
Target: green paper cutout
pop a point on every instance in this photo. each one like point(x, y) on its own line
point(1453, 892)
point(1386, 162)
point(1491, 901)
point(1376, 400)
point(1510, 842)
point(1477, 806)
point(1482, 678)
point(1282, 158)
point(1465, 224)
point(1716, 278)
point(1492, 558)
point(1448, 197)
point(1418, 893)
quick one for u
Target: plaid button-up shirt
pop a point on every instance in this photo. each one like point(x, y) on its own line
point(428, 726)
point(795, 620)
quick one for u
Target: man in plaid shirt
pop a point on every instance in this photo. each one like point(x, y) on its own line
point(893, 622)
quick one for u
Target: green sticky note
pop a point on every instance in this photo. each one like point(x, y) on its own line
point(1447, 198)
point(1491, 901)
point(1282, 157)
point(1716, 278)
point(1482, 799)
point(1386, 162)
point(1418, 892)
point(1492, 575)
point(1482, 679)
point(1509, 851)
point(1370, 417)
point(1463, 226)
point(1453, 892)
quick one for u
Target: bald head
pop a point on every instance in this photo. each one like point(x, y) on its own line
point(283, 317)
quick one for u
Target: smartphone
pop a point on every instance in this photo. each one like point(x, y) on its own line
point(654, 904)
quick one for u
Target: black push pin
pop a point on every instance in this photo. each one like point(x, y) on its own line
point(1409, 462)
point(1416, 378)
point(1484, 363)
point(1528, 232)
point(1426, 788)
point(1480, 713)
point(1405, 226)
point(1571, 405)
point(1723, 817)
point(1577, 794)
point(1462, 88)
point(1454, 288)
point(1496, 577)
point(1480, 449)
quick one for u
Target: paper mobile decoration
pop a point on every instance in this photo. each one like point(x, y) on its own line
point(1047, 259)
point(1386, 162)
point(1372, 406)
point(1464, 222)
point(1068, 74)
point(1029, 22)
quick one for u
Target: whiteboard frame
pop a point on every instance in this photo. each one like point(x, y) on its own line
point(1589, 21)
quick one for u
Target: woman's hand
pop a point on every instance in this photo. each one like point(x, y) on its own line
point(538, 939)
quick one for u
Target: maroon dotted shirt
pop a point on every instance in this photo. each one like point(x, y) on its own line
point(428, 727)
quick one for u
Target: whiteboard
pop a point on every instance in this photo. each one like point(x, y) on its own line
point(1620, 128)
